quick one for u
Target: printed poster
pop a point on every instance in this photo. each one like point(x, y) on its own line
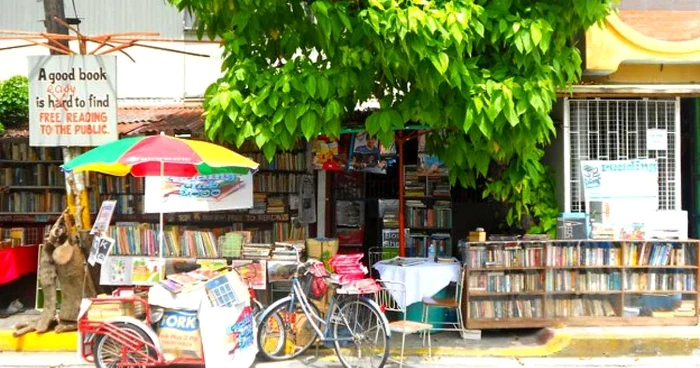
point(228, 336)
point(198, 194)
point(307, 196)
point(428, 165)
point(253, 272)
point(101, 247)
point(621, 192)
point(104, 217)
point(212, 264)
point(280, 270)
point(116, 271)
point(330, 154)
point(147, 271)
point(72, 100)
point(366, 154)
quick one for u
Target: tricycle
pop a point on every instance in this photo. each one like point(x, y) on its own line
point(124, 329)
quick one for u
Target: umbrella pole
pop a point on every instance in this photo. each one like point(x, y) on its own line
point(162, 197)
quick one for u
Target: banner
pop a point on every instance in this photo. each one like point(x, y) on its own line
point(200, 193)
point(620, 192)
point(618, 179)
point(72, 100)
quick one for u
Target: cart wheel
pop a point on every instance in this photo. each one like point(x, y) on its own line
point(109, 352)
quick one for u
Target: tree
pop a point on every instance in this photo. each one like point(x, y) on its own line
point(62, 257)
point(482, 74)
point(14, 101)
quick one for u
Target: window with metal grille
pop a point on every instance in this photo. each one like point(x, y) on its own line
point(615, 129)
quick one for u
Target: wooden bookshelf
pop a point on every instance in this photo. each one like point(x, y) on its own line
point(428, 212)
point(532, 284)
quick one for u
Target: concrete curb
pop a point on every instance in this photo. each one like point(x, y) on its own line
point(34, 342)
point(589, 342)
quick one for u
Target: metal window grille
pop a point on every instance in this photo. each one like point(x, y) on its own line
point(615, 129)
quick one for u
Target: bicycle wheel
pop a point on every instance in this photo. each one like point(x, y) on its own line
point(110, 352)
point(285, 332)
point(359, 323)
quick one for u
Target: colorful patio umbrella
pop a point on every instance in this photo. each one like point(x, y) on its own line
point(161, 155)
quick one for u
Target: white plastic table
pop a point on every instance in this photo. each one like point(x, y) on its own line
point(423, 280)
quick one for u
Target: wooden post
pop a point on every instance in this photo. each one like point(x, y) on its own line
point(402, 207)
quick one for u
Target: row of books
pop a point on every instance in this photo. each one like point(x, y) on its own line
point(235, 244)
point(280, 231)
point(580, 307)
point(276, 182)
point(127, 204)
point(282, 161)
point(419, 216)
point(512, 308)
point(119, 184)
point(419, 244)
point(509, 256)
point(587, 254)
point(413, 185)
point(660, 254)
point(25, 235)
point(182, 241)
point(674, 280)
point(142, 239)
point(583, 281)
point(35, 175)
point(439, 187)
point(23, 202)
point(23, 152)
point(505, 283)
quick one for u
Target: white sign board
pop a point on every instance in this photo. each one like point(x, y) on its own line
point(657, 140)
point(618, 179)
point(628, 190)
point(198, 194)
point(72, 100)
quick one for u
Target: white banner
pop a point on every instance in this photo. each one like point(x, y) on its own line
point(198, 194)
point(620, 179)
point(72, 100)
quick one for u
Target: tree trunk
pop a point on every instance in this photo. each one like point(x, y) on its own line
point(62, 256)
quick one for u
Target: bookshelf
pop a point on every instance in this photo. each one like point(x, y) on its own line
point(428, 212)
point(531, 284)
point(31, 180)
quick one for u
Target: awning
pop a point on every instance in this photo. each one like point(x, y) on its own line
point(615, 41)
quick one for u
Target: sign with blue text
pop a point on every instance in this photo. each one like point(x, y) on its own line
point(199, 193)
point(618, 179)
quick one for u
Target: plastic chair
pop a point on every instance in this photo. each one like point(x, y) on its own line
point(454, 302)
point(391, 298)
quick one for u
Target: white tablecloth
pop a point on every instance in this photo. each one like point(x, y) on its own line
point(423, 280)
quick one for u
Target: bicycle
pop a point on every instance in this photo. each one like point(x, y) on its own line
point(352, 319)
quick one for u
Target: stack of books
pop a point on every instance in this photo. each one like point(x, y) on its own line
point(283, 252)
point(259, 204)
point(256, 251)
point(275, 205)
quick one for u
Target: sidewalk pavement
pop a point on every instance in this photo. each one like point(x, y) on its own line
point(584, 342)
point(66, 360)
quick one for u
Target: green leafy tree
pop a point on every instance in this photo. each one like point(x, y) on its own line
point(14, 101)
point(482, 74)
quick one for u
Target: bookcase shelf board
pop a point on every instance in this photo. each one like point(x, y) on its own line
point(532, 284)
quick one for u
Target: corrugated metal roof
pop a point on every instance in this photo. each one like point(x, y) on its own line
point(144, 120)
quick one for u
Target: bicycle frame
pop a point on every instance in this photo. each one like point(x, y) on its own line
point(315, 320)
